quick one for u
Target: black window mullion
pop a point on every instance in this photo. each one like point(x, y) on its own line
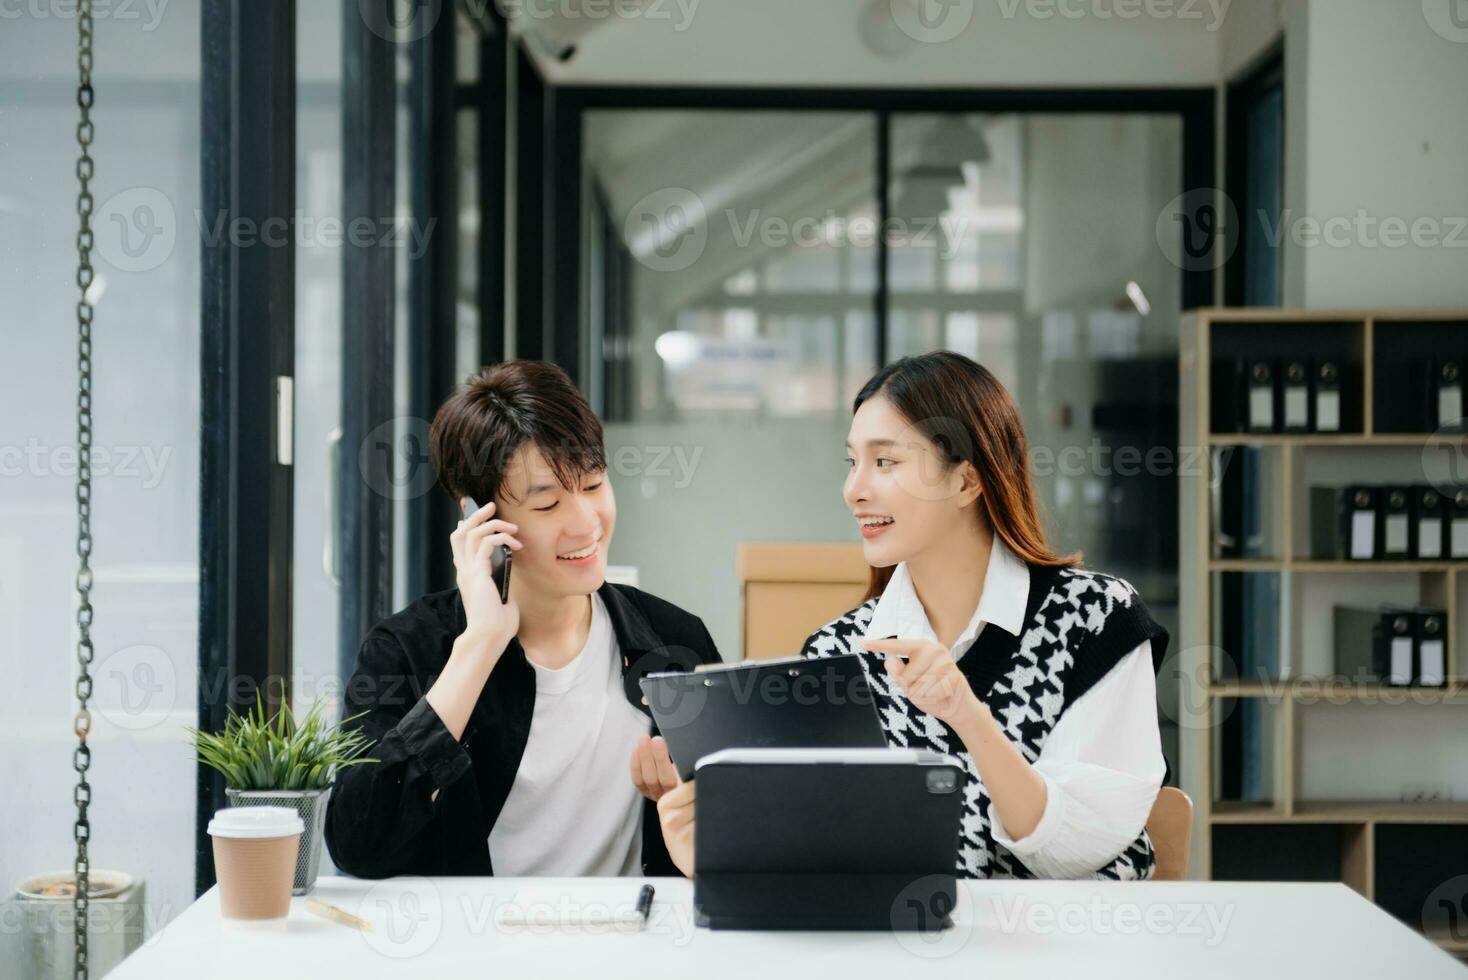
point(247, 346)
point(366, 468)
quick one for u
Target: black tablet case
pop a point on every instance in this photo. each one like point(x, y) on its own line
point(864, 846)
point(790, 703)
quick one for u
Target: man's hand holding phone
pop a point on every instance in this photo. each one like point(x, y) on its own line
point(492, 620)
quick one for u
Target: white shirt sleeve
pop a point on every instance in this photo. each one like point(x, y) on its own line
point(1102, 764)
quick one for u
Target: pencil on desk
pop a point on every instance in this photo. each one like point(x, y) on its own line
point(328, 911)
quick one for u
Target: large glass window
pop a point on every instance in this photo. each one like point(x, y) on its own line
point(145, 449)
point(733, 294)
point(736, 324)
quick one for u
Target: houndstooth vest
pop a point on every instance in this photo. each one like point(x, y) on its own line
point(1078, 625)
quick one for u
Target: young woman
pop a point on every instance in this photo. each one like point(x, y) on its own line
point(981, 642)
point(504, 729)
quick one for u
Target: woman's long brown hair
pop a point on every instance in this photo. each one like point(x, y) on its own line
point(969, 415)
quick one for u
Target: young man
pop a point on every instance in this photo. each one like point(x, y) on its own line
point(505, 730)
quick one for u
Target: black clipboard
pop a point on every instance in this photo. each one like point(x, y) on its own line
point(790, 702)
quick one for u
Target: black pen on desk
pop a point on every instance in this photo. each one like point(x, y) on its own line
point(644, 904)
point(542, 914)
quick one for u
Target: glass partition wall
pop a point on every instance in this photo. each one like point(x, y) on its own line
point(748, 270)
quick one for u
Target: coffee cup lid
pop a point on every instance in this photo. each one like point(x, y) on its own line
point(253, 822)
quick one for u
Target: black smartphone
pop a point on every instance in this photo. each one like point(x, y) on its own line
point(499, 560)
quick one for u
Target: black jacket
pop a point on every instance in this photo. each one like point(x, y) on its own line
point(380, 820)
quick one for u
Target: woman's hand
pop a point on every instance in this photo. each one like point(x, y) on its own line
point(652, 768)
point(675, 813)
point(490, 620)
point(930, 678)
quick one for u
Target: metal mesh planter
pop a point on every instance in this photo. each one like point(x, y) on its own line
point(311, 805)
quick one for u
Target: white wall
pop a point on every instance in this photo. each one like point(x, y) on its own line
point(1385, 133)
point(1375, 130)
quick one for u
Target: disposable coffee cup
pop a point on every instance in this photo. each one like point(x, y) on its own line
point(255, 859)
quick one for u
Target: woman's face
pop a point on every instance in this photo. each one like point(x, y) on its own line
point(566, 533)
point(905, 500)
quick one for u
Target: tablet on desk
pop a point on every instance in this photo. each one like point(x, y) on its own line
point(792, 702)
point(827, 839)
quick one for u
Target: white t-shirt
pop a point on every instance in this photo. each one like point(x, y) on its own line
point(572, 809)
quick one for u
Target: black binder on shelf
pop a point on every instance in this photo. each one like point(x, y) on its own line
point(1228, 394)
point(1430, 647)
point(850, 839)
point(1455, 540)
point(1395, 524)
point(1426, 531)
point(1444, 394)
point(1344, 523)
point(1396, 646)
point(1263, 396)
point(1293, 410)
point(1375, 645)
point(1325, 408)
point(1400, 404)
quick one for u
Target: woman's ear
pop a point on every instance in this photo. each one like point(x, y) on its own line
point(970, 487)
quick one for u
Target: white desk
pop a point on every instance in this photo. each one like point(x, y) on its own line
point(1020, 929)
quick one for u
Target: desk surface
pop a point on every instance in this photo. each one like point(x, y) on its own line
point(1131, 930)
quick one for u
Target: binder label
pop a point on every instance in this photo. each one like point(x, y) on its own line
point(1396, 534)
point(1261, 408)
point(1363, 533)
point(1401, 672)
point(1449, 404)
point(1460, 538)
point(1328, 411)
point(1297, 407)
point(1433, 670)
point(1430, 537)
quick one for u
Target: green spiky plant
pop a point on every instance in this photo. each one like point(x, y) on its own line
point(255, 754)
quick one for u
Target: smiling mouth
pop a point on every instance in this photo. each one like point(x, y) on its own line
point(872, 525)
point(585, 554)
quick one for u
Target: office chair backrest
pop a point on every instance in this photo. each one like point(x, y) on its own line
point(1170, 825)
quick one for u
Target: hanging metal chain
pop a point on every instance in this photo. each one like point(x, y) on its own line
point(82, 758)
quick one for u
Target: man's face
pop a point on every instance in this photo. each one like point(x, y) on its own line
point(566, 533)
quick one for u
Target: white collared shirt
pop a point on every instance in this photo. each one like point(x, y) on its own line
point(1102, 762)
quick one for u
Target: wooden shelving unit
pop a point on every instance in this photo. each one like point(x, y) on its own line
point(1294, 459)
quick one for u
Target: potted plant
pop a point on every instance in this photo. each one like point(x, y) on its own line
point(284, 763)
